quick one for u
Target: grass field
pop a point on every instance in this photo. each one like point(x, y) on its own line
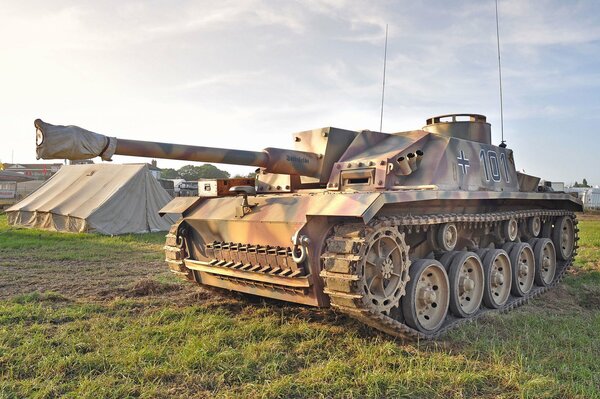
point(88, 316)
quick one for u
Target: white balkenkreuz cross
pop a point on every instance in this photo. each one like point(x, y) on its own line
point(463, 162)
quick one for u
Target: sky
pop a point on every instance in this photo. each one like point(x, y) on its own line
point(248, 74)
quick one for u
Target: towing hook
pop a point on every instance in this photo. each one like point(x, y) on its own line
point(301, 244)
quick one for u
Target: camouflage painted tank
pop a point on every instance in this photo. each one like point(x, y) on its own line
point(411, 233)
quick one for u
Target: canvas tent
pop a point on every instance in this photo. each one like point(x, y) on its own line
point(109, 199)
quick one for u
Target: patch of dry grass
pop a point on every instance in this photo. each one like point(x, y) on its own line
point(93, 322)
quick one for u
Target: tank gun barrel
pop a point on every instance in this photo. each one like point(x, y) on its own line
point(75, 143)
point(182, 152)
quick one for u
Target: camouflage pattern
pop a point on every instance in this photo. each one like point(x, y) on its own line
point(319, 209)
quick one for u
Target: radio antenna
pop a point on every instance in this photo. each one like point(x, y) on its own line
point(383, 84)
point(502, 142)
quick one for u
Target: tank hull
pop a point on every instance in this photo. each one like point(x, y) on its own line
point(255, 253)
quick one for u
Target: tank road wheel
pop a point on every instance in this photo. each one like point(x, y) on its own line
point(563, 237)
point(545, 261)
point(447, 236)
point(497, 276)
point(425, 304)
point(534, 226)
point(510, 229)
point(446, 259)
point(523, 268)
point(385, 270)
point(466, 284)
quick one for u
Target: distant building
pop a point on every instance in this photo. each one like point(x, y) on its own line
point(10, 183)
point(36, 171)
point(154, 170)
point(590, 196)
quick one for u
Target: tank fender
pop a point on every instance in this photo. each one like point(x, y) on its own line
point(179, 205)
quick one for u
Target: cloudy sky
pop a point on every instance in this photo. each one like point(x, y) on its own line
point(247, 74)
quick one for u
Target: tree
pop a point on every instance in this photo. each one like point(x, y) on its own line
point(251, 175)
point(206, 171)
point(583, 184)
point(169, 173)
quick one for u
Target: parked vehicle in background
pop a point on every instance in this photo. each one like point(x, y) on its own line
point(221, 187)
point(14, 186)
point(188, 189)
point(8, 193)
point(168, 185)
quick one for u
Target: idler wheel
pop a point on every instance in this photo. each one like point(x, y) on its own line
point(466, 284)
point(563, 237)
point(385, 269)
point(425, 304)
point(497, 278)
point(545, 261)
point(523, 268)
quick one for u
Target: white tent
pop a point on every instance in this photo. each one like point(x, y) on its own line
point(103, 198)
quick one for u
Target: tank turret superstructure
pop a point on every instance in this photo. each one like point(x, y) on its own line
point(411, 232)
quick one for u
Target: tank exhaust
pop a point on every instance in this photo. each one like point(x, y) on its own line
point(419, 157)
point(404, 168)
point(412, 161)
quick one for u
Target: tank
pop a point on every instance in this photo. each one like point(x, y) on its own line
point(412, 233)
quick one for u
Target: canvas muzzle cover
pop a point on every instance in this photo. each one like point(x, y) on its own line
point(71, 142)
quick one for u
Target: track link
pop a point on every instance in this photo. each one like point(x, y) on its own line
point(344, 250)
point(175, 252)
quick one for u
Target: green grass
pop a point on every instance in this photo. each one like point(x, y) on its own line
point(186, 342)
point(46, 245)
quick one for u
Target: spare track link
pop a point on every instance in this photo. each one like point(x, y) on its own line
point(340, 260)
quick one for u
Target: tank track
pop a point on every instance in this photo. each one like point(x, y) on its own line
point(343, 253)
point(175, 252)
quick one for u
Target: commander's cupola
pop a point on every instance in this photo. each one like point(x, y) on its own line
point(462, 126)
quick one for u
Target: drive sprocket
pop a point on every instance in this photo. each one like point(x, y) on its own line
point(383, 269)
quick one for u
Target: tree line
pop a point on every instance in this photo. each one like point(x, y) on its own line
point(582, 184)
point(196, 172)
